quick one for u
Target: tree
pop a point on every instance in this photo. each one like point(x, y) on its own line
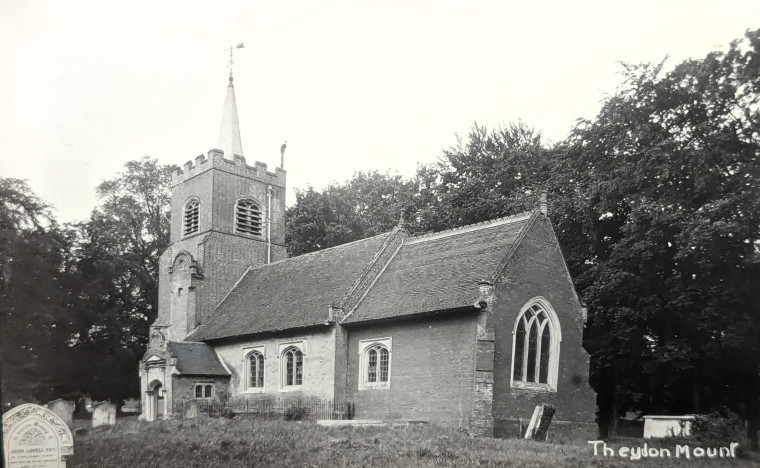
point(660, 206)
point(368, 204)
point(492, 174)
point(117, 268)
point(35, 266)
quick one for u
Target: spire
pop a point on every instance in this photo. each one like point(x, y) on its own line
point(229, 132)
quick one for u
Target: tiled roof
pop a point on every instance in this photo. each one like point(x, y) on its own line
point(440, 270)
point(196, 358)
point(291, 293)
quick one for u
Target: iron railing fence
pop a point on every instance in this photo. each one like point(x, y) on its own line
point(310, 409)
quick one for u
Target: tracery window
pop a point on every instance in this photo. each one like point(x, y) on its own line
point(255, 370)
point(536, 347)
point(374, 363)
point(190, 217)
point(292, 359)
point(248, 217)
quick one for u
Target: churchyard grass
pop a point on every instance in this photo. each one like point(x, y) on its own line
point(247, 442)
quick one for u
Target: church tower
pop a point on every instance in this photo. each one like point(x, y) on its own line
point(226, 216)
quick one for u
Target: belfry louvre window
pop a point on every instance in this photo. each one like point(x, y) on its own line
point(248, 217)
point(255, 370)
point(190, 218)
point(536, 348)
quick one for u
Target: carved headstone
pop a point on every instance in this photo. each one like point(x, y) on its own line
point(538, 429)
point(34, 436)
point(103, 413)
point(64, 409)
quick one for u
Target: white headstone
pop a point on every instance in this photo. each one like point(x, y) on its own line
point(103, 413)
point(34, 436)
point(64, 409)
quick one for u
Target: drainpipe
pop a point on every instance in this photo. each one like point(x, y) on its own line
point(269, 224)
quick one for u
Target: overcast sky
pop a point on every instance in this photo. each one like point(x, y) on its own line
point(86, 86)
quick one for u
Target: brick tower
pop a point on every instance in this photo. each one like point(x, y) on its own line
point(226, 216)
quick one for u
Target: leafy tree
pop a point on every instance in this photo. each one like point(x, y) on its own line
point(492, 174)
point(35, 265)
point(660, 206)
point(117, 268)
point(368, 204)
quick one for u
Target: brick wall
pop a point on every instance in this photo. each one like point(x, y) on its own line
point(318, 367)
point(431, 369)
point(183, 389)
point(222, 255)
point(538, 269)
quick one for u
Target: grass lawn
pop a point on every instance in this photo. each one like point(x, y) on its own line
point(244, 442)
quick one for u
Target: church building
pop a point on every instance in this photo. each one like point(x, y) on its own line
point(471, 327)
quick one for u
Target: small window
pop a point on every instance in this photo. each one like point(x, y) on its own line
point(179, 292)
point(204, 390)
point(248, 217)
point(255, 370)
point(190, 219)
point(374, 363)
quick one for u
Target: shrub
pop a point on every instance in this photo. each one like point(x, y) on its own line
point(295, 413)
point(719, 427)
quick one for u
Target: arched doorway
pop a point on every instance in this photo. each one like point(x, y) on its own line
point(156, 402)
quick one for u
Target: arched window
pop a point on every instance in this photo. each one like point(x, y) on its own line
point(255, 370)
point(248, 217)
point(535, 355)
point(374, 363)
point(292, 367)
point(190, 217)
point(377, 364)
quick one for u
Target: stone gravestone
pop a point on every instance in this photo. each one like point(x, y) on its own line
point(103, 413)
point(64, 409)
point(35, 437)
point(191, 409)
point(538, 429)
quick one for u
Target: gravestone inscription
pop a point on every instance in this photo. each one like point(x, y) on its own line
point(35, 437)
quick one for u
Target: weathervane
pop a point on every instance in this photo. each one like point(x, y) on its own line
point(232, 61)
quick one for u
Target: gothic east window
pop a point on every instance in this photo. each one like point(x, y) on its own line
point(535, 353)
point(190, 217)
point(248, 217)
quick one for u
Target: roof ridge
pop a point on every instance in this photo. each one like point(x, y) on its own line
point(471, 227)
point(260, 267)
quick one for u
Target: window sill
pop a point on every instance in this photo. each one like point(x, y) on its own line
point(536, 387)
point(254, 390)
point(291, 388)
point(375, 386)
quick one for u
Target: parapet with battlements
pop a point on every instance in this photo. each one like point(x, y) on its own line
point(216, 160)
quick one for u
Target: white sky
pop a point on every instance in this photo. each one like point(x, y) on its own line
point(86, 86)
